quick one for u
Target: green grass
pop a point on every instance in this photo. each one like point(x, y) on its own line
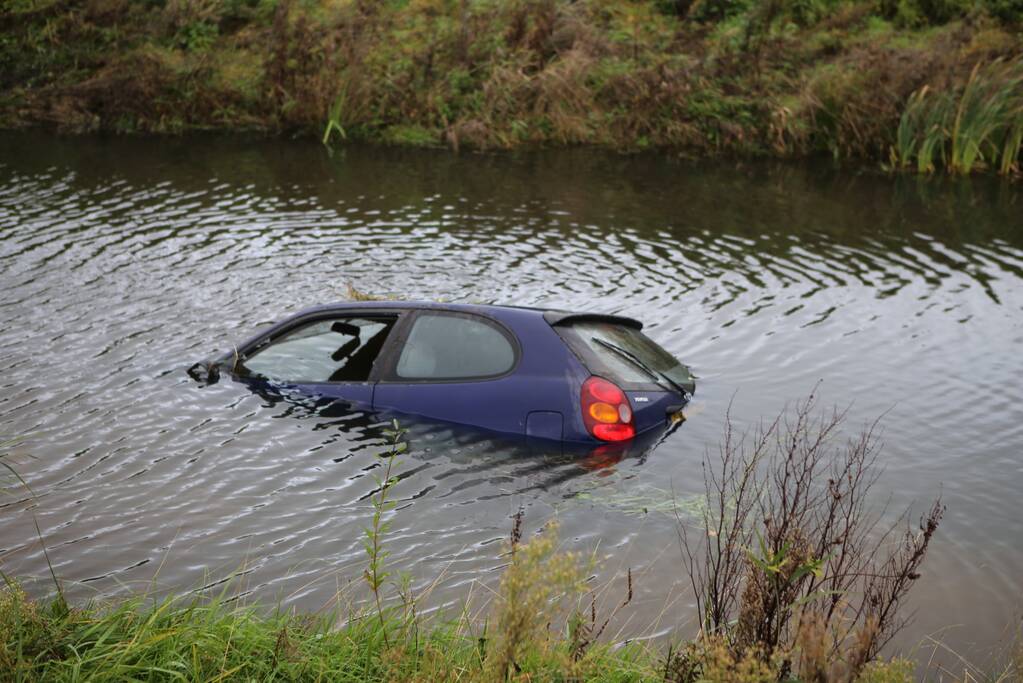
point(215, 639)
point(219, 640)
point(177, 640)
point(412, 136)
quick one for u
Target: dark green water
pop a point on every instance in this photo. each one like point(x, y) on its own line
point(122, 261)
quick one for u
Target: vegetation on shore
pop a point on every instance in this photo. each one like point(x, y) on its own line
point(914, 84)
point(794, 579)
point(220, 641)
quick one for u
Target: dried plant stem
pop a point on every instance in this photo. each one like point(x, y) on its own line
point(788, 551)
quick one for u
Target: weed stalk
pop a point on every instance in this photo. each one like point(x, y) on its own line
point(375, 573)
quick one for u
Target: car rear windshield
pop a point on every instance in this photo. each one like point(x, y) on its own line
point(605, 348)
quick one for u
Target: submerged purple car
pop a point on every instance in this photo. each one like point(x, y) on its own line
point(550, 374)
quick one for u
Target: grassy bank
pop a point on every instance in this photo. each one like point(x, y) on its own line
point(916, 84)
point(216, 641)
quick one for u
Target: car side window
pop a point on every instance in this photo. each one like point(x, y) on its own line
point(454, 347)
point(333, 350)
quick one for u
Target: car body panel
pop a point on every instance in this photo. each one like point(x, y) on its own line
point(652, 409)
point(545, 424)
point(357, 394)
point(540, 381)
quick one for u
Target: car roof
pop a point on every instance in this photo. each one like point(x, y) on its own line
point(553, 316)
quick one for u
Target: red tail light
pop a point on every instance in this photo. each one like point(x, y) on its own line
point(606, 411)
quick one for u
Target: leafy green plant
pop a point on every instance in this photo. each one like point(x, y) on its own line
point(920, 137)
point(782, 566)
point(197, 36)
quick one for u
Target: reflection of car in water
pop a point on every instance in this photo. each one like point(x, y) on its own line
point(580, 378)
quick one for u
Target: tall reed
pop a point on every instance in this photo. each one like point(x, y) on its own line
point(979, 127)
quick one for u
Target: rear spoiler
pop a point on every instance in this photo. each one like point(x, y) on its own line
point(555, 318)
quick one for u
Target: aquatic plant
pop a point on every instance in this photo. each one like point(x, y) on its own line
point(977, 127)
point(334, 121)
point(921, 136)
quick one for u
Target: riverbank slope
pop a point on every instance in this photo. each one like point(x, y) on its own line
point(708, 77)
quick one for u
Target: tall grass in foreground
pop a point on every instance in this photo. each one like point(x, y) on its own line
point(978, 127)
point(218, 640)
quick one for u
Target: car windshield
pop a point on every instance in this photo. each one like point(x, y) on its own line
point(334, 350)
point(625, 355)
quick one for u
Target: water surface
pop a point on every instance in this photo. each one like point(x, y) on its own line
point(123, 261)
